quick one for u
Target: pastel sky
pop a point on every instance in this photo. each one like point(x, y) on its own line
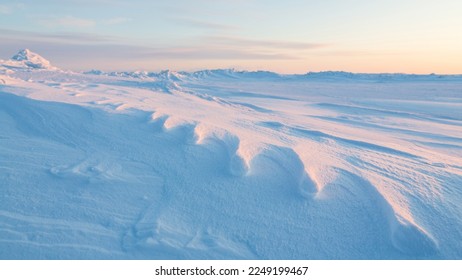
point(291, 36)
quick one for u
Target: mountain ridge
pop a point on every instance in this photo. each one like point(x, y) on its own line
point(29, 60)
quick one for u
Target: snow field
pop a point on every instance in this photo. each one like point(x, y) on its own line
point(221, 164)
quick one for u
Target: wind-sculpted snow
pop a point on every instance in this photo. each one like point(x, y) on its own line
point(224, 164)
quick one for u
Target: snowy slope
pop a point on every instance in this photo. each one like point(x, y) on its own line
point(222, 164)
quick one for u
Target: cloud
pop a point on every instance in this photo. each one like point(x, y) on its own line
point(211, 53)
point(61, 37)
point(88, 51)
point(76, 22)
point(85, 2)
point(68, 21)
point(202, 24)
point(267, 44)
point(116, 20)
point(359, 53)
point(83, 51)
point(5, 10)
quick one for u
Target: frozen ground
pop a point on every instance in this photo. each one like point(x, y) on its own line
point(223, 164)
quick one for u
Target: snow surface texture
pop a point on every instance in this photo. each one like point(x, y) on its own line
point(221, 164)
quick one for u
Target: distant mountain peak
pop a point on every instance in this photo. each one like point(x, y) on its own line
point(31, 60)
point(22, 55)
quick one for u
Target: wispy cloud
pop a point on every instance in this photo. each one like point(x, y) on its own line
point(359, 52)
point(66, 49)
point(202, 24)
point(61, 37)
point(68, 21)
point(5, 10)
point(268, 44)
point(116, 20)
point(78, 22)
point(207, 53)
point(105, 2)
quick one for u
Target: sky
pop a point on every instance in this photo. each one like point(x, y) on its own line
point(291, 36)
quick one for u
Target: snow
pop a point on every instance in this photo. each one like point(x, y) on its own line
point(226, 164)
point(27, 59)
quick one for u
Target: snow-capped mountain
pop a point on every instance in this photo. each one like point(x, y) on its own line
point(28, 60)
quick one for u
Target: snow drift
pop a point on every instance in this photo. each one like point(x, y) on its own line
point(222, 164)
